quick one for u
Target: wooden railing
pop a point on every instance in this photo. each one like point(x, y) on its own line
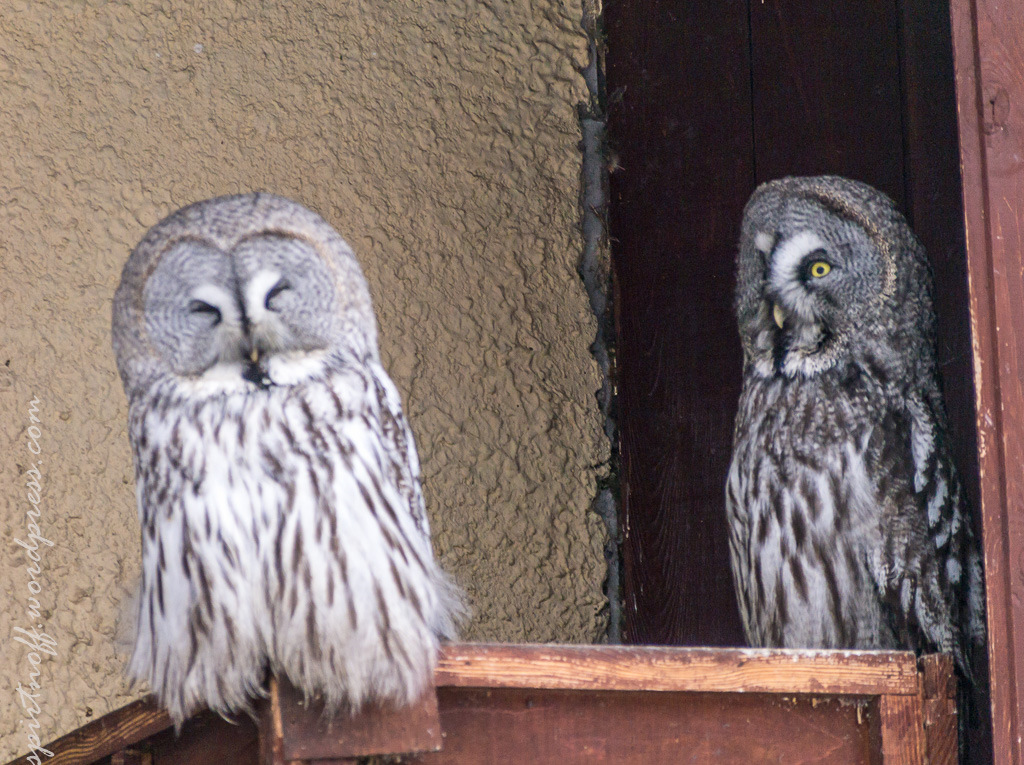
point(582, 704)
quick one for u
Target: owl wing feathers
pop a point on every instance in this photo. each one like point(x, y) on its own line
point(390, 605)
point(404, 459)
point(315, 560)
point(197, 547)
point(919, 568)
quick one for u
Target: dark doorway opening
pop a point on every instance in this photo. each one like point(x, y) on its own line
point(707, 99)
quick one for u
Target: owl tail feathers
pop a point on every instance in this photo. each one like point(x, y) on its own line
point(182, 687)
point(126, 622)
point(452, 608)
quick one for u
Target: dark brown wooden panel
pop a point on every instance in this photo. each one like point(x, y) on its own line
point(934, 208)
point(292, 729)
point(208, 740)
point(570, 727)
point(679, 122)
point(826, 91)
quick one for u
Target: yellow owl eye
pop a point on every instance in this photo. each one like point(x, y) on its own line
point(819, 269)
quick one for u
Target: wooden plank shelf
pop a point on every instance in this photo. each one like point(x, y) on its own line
point(498, 703)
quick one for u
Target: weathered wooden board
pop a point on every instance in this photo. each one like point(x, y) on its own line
point(583, 704)
point(302, 731)
point(561, 727)
point(677, 669)
point(107, 735)
point(988, 40)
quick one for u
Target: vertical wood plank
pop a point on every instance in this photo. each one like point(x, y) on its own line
point(935, 210)
point(938, 709)
point(988, 40)
point(271, 735)
point(826, 91)
point(678, 79)
point(901, 730)
point(292, 730)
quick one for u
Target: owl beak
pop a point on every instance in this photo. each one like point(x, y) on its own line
point(778, 315)
point(254, 354)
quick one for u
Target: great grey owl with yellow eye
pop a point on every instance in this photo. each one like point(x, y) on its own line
point(847, 521)
point(283, 525)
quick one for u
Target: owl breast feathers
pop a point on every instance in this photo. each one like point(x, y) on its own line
point(847, 523)
point(283, 526)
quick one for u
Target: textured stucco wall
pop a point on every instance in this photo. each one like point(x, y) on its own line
point(441, 139)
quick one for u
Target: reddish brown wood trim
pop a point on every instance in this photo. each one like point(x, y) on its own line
point(938, 708)
point(988, 38)
point(306, 733)
point(562, 727)
point(625, 668)
point(900, 729)
point(590, 677)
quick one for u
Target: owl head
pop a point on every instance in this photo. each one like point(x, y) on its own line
point(828, 271)
point(239, 291)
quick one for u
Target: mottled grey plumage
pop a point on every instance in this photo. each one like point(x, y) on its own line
point(847, 522)
point(278, 488)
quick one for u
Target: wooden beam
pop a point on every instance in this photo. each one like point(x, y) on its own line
point(650, 668)
point(108, 735)
point(938, 708)
point(900, 730)
point(294, 730)
point(988, 37)
point(870, 693)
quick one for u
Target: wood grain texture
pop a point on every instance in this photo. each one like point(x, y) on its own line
point(901, 730)
point(677, 669)
point(268, 722)
point(988, 40)
point(107, 735)
point(619, 703)
point(826, 91)
point(560, 727)
point(938, 708)
point(679, 123)
point(308, 734)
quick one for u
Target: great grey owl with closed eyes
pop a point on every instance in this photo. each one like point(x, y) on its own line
point(847, 521)
point(283, 525)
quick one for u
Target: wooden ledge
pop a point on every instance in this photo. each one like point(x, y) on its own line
point(652, 668)
point(609, 696)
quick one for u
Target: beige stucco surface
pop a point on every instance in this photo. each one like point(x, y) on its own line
point(440, 138)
